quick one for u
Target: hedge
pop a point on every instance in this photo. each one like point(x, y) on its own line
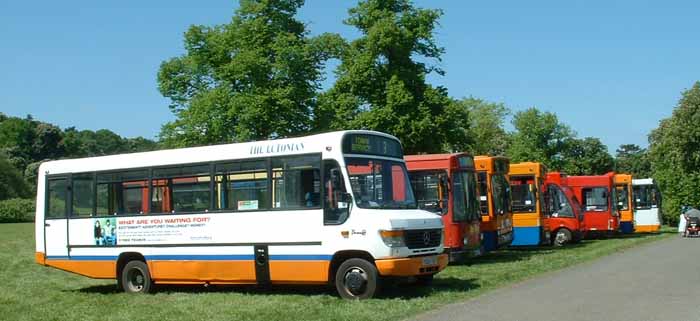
point(17, 210)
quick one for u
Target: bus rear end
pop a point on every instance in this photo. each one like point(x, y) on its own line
point(623, 190)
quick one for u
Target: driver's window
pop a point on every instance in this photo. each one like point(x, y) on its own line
point(336, 205)
point(560, 206)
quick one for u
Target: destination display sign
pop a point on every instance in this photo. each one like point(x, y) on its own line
point(371, 145)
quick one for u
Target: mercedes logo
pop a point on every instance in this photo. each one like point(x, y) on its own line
point(426, 238)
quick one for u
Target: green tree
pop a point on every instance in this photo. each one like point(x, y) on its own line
point(12, 185)
point(632, 159)
point(588, 156)
point(486, 129)
point(253, 78)
point(539, 137)
point(26, 140)
point(381, 81)
point(675, 155)
point(88, 143)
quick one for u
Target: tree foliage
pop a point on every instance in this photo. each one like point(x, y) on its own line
point(486, 130)
point(253, 78)
point(587, 156)
point(12, 184)
point(25, 140)
point(632, 159)
point(675, 155)
point(539, 137)
point(381, 81)
point(25, 143)
point(88, 143)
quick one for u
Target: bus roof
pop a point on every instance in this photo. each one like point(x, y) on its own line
point(528, 168)
point(439, 161)
point(492, 163)
point(623, 178)
point(429, 157)
point(643, 181)
point(318, 143)
point(591, 180)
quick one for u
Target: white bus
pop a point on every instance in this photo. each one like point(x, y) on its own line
point(329, 208)
point(647, 205)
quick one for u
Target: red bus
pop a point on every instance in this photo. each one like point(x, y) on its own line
point(598, 198)
point(565, 219)
point(445, 184)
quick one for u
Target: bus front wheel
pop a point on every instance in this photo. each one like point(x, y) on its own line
point(135, 277)
point(562, 237)
point(356, 279)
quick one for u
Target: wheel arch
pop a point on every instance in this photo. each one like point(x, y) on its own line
point(342, 256)
point(127, 257)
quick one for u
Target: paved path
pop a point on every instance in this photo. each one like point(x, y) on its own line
point(657, 281)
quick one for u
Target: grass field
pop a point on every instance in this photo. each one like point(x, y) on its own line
point(31, 292)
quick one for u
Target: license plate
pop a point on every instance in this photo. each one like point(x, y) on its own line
point(430, 260)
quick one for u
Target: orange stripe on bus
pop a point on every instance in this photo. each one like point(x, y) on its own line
point(526, 220)
point(299, 271)
point(93, 269)
point(200, 271)
point(647, 228)
point(626, 216)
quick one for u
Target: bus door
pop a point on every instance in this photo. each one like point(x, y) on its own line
point(55, 218)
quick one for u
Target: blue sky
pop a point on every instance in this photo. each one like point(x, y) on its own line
point(609, 69)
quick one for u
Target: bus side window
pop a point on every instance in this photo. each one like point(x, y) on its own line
point(336, 208)
point(121, 193)
point(56, 198)
point(296, 182)
point(83, 195)
point(242, 186)
point(181, 189)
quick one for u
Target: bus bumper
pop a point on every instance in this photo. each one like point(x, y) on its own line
point(626, 227)
point(412, 266)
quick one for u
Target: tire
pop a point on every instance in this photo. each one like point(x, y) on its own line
point(425, 280)
point(135, 278)
point(356, 279)
point(561, 237)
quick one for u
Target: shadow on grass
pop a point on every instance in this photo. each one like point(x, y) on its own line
point(412, 290)
point(392, 289)
point(98, 289)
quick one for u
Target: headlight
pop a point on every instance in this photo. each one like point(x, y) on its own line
point(465, 241)
point(392, 238)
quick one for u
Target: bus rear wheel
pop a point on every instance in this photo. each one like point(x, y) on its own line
point(356, 279)
point(135, 278)
point(562, 237)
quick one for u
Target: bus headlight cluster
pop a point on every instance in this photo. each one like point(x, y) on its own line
point(393, 238)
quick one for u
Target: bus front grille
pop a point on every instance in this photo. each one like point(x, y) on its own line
point(418, 239)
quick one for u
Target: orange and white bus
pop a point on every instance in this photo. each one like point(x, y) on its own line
point(647, 206)
point(332, 208)
point(494, 201)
